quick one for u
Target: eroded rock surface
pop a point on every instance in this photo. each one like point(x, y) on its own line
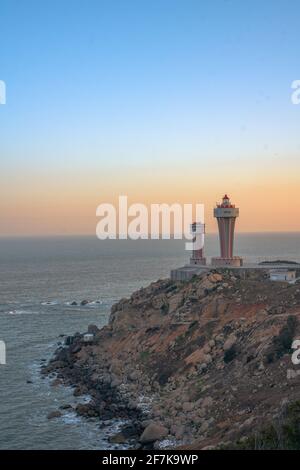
point(206, 361)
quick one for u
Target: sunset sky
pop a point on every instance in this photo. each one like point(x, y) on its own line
point(162, 100)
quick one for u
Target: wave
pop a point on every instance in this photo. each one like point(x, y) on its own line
point(90, 303)
point(73, 303)
point(50, 302)
point(71, 418)
point(21, 312)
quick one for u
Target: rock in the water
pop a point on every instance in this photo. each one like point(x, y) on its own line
point(80, 390)
point(65, 407)
point(54, 414)
point(118, 438)
point(69, 340)
point(153, 432)
point(84, 302)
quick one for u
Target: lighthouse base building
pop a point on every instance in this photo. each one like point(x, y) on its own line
point(223, 262)
point(197, 260)
point(226, 214)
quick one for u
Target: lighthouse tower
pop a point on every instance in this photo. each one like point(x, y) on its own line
point(198, 230)
point(226, 214)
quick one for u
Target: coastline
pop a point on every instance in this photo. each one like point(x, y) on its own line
point(105, 401)
point(209, 355)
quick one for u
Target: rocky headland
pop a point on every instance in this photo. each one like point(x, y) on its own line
point(200, 364)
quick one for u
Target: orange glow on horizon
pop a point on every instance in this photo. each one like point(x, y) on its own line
point(65, 203)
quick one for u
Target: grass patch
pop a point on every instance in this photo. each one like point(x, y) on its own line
point(230, 354)
point(283, 434)
point(198, 387)
point(283, 342)
point(145, 355)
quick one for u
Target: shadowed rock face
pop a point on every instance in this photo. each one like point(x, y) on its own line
point(212, 354)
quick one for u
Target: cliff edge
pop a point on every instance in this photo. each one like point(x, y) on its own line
point(199, 364)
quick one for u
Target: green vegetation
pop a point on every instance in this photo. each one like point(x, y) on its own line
point(284, 433)
point(230, 354)
point(283, 342)
point(164, 309)
point(198, 389)
point(193, 327)
point(145, 355)
point(278, 261)
point(180, 339)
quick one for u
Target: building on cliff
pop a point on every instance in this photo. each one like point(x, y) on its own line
point(198, 231)
point(226, 214)
point(283, 275)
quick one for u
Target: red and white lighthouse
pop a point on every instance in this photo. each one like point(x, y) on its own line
point(226, 214)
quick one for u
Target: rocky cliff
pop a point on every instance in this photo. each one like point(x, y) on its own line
point(201, 364)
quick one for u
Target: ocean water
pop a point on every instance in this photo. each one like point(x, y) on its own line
point(39, 279)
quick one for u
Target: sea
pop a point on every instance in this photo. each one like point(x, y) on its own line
point(40, 278)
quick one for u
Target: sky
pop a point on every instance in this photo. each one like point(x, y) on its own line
point(164, 101)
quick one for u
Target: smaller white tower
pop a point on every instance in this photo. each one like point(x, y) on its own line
point(198, 230)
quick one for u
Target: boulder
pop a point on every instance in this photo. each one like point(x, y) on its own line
point(115, 382)
point(133, 376)
point(276, 310)
point(54, 414)
point(204, 426)
point(93, 330)
point(118, 438)
point(153, 432)
point(215, 277)
point(206, 284)
point(175, 302)
point(160, 302)
point(80, 390)
point(75, 348)
point(231, 340)
point(188, 406)
point(66, 407)
point(69, 340)
point(82, 409)
point(207, 402)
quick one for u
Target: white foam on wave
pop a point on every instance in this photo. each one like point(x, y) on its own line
point(85, 398)
point(95, 302)
point(71, 418)
point(168, 443)
point(21, 312)
point(89, 428)
point(144, 403)
point(50, 302)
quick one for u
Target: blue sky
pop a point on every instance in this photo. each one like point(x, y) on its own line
point(132, 84)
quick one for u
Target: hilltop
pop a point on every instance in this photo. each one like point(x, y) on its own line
point(200, 364)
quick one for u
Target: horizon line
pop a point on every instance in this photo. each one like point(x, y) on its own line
point(90, 235)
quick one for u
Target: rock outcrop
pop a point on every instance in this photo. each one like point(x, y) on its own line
point(203, 362)
point(153, 432)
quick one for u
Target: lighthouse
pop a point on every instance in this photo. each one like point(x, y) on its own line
point(226, 214)
point(198, 231)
